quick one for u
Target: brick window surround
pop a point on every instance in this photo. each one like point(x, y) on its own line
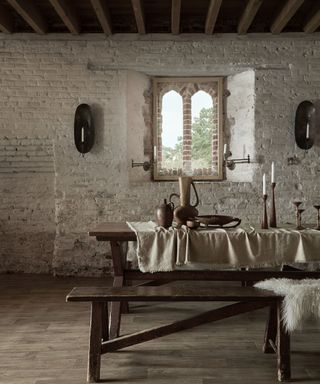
point(186, 88)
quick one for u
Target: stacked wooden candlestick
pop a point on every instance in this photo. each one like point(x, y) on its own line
point(273, 216)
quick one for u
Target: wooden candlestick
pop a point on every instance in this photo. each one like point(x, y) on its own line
point(317, 207)
point(299, 219)
point(273, 216)
point(264, 223)
point(298, 214)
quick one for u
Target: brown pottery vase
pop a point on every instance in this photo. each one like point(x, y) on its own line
point(164, 214)
point(185, 210)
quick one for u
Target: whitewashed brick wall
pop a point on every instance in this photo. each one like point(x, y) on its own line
point(51, 196)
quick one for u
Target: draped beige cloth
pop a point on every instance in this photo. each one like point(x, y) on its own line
point(160, 249)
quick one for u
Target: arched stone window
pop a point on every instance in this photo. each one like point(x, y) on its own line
point(188, 128)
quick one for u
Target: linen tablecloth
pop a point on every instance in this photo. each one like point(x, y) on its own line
point(159, 249)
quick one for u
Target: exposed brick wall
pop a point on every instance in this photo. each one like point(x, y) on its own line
point(45, 216)
point(187, 133)
point(27, 205)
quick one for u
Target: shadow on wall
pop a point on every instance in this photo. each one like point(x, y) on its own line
point(139, 124)
point(98, 118)
point(239, 107)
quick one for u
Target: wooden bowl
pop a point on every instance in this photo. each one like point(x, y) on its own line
point(218, 221)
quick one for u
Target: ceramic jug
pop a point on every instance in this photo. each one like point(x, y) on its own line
point(185, 210)
point(164, 214)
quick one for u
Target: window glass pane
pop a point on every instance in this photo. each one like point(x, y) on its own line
point(202, 133)
point(172, 130)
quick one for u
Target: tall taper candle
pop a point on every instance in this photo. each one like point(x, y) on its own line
point(82, 135)
point(264, 186)
point(272, 172)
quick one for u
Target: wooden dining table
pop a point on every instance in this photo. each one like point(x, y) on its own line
point(118, 234)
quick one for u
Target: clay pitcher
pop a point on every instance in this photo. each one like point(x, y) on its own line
point(164, 214)
point(185, 210)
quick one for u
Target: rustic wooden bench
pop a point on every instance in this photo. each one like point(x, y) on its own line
point(246, 299)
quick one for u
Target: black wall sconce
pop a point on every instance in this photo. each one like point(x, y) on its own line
point(305, 125)
point(83, 129)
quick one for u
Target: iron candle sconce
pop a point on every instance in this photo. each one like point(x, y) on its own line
point(231, 163)
point(146, 165)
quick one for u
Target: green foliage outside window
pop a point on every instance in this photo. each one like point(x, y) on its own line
point(202, 130)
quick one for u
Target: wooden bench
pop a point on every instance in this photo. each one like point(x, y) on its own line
point(246, 298)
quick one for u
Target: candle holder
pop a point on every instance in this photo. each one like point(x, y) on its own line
point(317, 207)
point(273, 216)
point(299, 211)
point(264, 223)
point(297, 204)
point(299, 225)
point(306, 145)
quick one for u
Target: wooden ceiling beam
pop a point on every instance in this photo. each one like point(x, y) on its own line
point(248, 15)
point(67, 15)
point(30, 13)
point(175, 16)
point(139, 15)
point(313, 23)
point(6, 20)
point(212, 15)
point(285, 15)
point(103, 16)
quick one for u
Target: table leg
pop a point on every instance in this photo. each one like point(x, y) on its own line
point(118, 281)
point(245, 283)
point(126, 283)
point(105, 322)
point(283, 347)
point(269, 345)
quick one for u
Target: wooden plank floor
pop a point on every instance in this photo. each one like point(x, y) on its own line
point(43, 340)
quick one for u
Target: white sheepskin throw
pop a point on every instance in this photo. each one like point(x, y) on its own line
point(301, 302)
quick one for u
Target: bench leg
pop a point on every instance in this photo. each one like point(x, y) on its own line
point(271, 330)
point(283, 347)
point(94, 358)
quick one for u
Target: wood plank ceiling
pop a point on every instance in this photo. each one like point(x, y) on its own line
point(159, 16)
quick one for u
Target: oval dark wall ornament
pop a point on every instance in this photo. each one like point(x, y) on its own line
point(83, 128)
point(305, 124)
